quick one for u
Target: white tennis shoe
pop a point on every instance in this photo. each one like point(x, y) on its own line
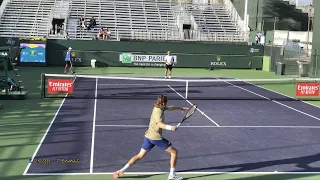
point(174, 177)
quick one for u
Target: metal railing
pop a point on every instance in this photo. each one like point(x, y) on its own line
point(67, 19)
point(35, 23)
point(3, 7)
point(181, 36)
point(235, 16)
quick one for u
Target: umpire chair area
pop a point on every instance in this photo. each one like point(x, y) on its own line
point(11, 87)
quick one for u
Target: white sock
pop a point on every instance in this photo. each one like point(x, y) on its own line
point(172, 173)
point(124, 168)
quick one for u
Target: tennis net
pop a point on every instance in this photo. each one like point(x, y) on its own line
point(107, 87)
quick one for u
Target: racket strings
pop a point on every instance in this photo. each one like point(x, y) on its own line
point(191, 111)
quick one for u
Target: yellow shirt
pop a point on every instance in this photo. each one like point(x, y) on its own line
point(154, 132)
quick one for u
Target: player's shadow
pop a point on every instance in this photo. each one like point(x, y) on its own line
point(260, 177)
point(140, 176)
point(301, 162)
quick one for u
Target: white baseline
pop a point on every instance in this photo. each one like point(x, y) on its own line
point(145, 126)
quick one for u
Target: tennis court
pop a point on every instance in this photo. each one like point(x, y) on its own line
point(245, 128)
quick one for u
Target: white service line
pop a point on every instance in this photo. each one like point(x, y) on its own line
point(293, 127)
point(159, 173)
point(273, 101)
point(94, 126)
point(45, 134)
point(281, 94)
point(192, 104)
point(144, 126)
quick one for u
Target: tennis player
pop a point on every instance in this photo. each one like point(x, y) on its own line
point(68, 61)
point(169, 60)
point(153, 137)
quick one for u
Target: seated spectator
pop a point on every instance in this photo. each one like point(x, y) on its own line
point(108, 34)
point(258, 38)
point(92, 23)
point(59, 29)
point(82, 22)
point(53, 28)
point(67, 36)
point(102, 33)
point(95, 37)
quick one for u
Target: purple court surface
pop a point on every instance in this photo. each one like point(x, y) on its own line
point(99, 135)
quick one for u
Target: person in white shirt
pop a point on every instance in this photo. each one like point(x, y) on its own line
point(169, 60)
point(108, 34)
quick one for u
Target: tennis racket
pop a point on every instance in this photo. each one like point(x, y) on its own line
point(189, 114)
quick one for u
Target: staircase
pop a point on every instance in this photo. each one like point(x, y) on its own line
point(291, 68)
point(60, 11)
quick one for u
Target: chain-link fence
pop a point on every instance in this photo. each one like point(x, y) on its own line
point(292, 60)
point(295, 51)
point(314, 64)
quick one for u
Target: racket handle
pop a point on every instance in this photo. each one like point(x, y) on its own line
point(178, 125)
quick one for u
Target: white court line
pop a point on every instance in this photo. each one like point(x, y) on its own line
point(45, 134)
point(192, 104)
point(94, 126)
point(122, 84)
point(159, 173)
point(144, 126)
point(273, 101)
point(148, 85)
point(280, 93)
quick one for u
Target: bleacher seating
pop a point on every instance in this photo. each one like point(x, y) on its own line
point(25, 18)
point(123, 17)
point(215, 21)
point(133, 19)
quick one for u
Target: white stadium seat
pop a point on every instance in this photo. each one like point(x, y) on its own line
point(133, 19)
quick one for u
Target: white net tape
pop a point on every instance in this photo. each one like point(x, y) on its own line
point(179, 79)
point(177, 88)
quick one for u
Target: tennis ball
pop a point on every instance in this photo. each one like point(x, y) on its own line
point(202, 113)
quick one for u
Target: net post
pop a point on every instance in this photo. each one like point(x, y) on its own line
point(294, 88)
point(316, 73)
point(42, 88)
point(187, 85)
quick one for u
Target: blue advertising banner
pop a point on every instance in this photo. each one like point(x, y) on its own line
point(32, 53)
